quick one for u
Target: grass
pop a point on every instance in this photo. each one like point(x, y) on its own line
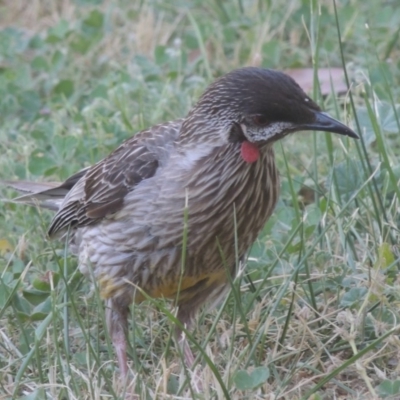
point(319, 318)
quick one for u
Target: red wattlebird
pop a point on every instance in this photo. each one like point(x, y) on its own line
point(125, 215)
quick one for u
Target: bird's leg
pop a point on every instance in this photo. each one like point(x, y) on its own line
point(117, 323)
point(187, 352)
point(185, 316)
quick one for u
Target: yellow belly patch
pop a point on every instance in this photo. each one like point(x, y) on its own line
point(110, 288)
point(184, 288)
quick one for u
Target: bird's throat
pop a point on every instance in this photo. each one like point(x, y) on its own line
point(249, 152)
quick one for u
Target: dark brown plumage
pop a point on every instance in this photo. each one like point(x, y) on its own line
point(127, 212)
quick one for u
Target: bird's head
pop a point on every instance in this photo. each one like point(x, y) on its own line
point(259, 106)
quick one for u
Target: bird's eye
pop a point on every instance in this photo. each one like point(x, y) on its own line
point(260, 120)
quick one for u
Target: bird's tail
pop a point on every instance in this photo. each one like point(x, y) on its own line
point(48, 195)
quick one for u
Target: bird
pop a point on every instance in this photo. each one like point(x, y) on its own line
point(173, 211)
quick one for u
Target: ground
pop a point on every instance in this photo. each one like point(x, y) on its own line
point(315, 313)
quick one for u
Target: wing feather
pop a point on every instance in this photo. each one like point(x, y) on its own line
point(101, 190)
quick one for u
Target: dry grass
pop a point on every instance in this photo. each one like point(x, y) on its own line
point(297, 324)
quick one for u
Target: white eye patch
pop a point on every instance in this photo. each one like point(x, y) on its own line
point(265, 133)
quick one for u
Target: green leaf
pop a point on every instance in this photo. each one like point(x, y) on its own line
point(99, 91)
point(160, 55)
point(348, 177)
point(30, 103)
point(65, 146)
point(172, 385)
point(386, 114)
point(18, 267)
point(12, 41)
point(81, 358)
point(39, 163)
point(64, 87)
point(81, 44)
point(20, 76)
point(23, 316)
point(95, 19)
point(21, 305)
point(41, 311)
point(35, 297)
point(58, 32)
point(40, 331)
point(41, 285)
point(353, 296)
point(40, 63)
point(247, 381)
point(4, 293)
point(386, 257)
point(58, 59)
point(389, 388)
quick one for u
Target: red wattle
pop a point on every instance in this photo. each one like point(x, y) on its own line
point(249, 152)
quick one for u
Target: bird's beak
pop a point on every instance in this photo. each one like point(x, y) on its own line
point(324, 122)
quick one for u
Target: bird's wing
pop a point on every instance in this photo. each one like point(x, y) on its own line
point(102, 189)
